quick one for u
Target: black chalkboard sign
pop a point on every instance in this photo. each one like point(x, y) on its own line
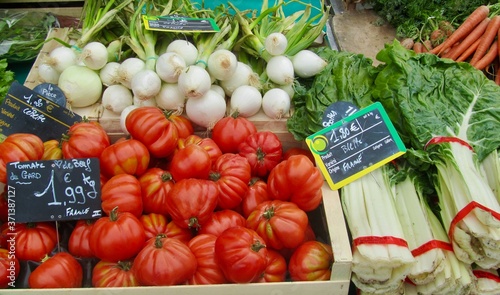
point(53, 190)
point(26, 111)
point(355, 145)
point(179, 23)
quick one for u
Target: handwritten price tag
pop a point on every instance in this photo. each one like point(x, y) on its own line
point(52, 190)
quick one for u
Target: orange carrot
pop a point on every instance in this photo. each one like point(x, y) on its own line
point(487, 39)
point(418, 47)
point(469, 40)
point(469, 51)
point(487, 58)
point(477, 16)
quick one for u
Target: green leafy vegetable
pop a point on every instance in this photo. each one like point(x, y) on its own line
point(6, 80)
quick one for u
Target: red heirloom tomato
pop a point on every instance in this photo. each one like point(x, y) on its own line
point(298, 151)
point(309, 236)
point(263, 151)
point(119, 236)
point(182, 234)
point(230, 131)
point(122, 191)
point(164, 262)
point(193, 161)
point(59, 271)
point(296, 180)
point(155, 183)
point(78, 243)
point(151, 126)
point(241, 254)
point(208, 271)
point(281, 224)
point(206, 143)
point(4, 207)
point(276, 268)
point(231, 173)
point(19, 147)
point(84, 140)
point(52, 150)
point(222, 220)
point(9, 268)
point(312, 261)
point(153, 224)
point(34, 240)
point(183, 124)
point(192, 201)
point(113, 274)
point(128, 156)
point(256, 194)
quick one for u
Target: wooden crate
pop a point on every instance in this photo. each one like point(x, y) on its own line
point(72, 8)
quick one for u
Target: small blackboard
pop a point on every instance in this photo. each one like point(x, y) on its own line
point(52, 190)
point(355, 145)
point(26, 111)
point(179, 23)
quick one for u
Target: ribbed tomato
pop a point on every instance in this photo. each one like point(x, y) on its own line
point(263, 151)
point(34, 240)
point(312, 261)
point(153, 224)
point(205, 142)
point(128, 156)
point(19, 147)
point(208, 271)
point(155, 183)
point(107, 274)
point(84, 140)
point(52, 150)
point(192, 161)
point(222, 220)
point(78, 243)
point(59, 271)
point(256, 194)
point(122, 191)
point(276, 268)
point(229, 132)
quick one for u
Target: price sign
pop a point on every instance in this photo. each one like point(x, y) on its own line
point(26, 111)
point(53, 190)
point(355, 145)
point(179, 23)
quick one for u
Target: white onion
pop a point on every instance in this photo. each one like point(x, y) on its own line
point(289, 88)
point(146, 84)
point(279, 69)
point(206, 110)
point(123, 117)
point(276, 103)
point(128, 68)
point(276, 43)
point(170, 98)
point(307, 63)
point(194, 82)
point(221, 64)
point(246, 101)
point(61, 57)
point(48, 74)
point(184, 48)
point(169, 66)
point(144, 103)
point(81, 86)
point(109, 74)
point(244, 75)
point(218, 89)
point(94, 55)
point(116, 98)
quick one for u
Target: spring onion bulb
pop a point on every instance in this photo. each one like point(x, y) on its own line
point(94, 55)
point(246, 101)
point(169, 66)
point(244, 75)
point(123, 117)
point(114, 50)
point(205, 111)
point(276, 103)
point(307, 64)
point(81, 86)
point(276, 43)
point(116, 98)
point(128, 68)
point(194, 82)
point(218, 89)
point(48, 74)
point(109, 74)
point(221, 64)
point(185, 49)
point(151, 102)
point(146, 84)
point(171, 98)
point(289, 88)
point(60, 58)
point(280, 70)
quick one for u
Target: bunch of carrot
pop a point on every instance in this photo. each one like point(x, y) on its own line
point(475, 41)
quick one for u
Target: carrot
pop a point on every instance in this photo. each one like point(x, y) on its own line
point(477, 16)
point(487, 58)
point(469, 51)
point(469, 40)
point(418, 47)
point(487, 39)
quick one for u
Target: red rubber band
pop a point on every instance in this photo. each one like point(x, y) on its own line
point(384, 240)
point(444, 139)
point(433, 244)
point(465, 211)
point(482, 274)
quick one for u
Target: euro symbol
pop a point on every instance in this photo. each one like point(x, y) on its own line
point(50, 108)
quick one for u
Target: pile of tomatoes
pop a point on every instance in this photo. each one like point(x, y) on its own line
point(178, 208)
